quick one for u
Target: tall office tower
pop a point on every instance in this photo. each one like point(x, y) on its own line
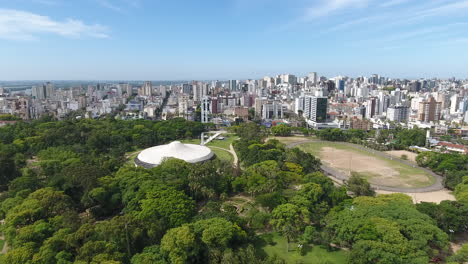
point(384, 102)
point(197, 92)
point(147, 89)
point(374, 79)
point(313, 77)
point(205, 109)
point(340, 85)
point(444, 99)
point(463, 107)
point(40, 92)
point(187, 88)
point(118, 90)
point(49, 90)
point(372, 107)
point(1, 90)
point(429, 110)
point(415, 86)
point(314, 108)
point(233, 85)
point(278, 80)
point(289, 78)
point(398, 113)
point(455, 103)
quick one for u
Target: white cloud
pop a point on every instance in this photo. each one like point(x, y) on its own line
point(22, 25)
point(109, 5)
point(393, 3)
point(329, 6)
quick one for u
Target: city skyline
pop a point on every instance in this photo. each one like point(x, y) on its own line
point(234, 39)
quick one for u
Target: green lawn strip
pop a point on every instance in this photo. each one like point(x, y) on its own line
point(222, 154)
point(314, 254)
point(293, 139)
point(2, 244)
point(405, 170)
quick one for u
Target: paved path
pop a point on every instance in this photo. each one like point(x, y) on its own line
point(233, 152)
point(341, 177)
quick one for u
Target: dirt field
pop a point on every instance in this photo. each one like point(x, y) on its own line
point(378, 170)
point(397, 153)
point(431, 197)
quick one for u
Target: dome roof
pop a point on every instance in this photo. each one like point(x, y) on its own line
point(190, 153)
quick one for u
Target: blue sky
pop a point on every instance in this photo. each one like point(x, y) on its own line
point(223, 39)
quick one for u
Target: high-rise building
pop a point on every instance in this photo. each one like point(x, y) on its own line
point(314, 108)
point(233, 85)
point(398, 113)
point(147, 89)
point(313, 77)
point(43, 91)
point(205, 109)
point(49, 89)
point(372, 107)
point(455, 103)
point(429, 110)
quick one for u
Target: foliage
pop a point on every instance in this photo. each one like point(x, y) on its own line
point(461, 191)
point(450, 216)
point(461, 256)
point(281, 130)
point(359, 185)
point(386, 229)
point(289, 220)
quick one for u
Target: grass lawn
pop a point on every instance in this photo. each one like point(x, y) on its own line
point(222, 154)
point(2, 243)
point(315, 254)
point(405, 171)
point(293, 139)
point(225, 143)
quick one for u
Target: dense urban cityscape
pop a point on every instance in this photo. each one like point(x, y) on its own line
point(373, 102)
point(233, 132)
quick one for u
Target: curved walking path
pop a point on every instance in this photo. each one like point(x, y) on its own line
point(231, 151)
point(341, 177)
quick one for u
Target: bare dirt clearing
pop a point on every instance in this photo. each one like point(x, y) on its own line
point(398, 153)
point(376, 170)
point(430, 197)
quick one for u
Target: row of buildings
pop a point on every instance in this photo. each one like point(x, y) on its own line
point(363, 102)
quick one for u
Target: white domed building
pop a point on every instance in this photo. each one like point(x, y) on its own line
point(152, 157)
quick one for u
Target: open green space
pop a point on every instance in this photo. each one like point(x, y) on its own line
point(222, 154)
point(224, 143)
point(277, 245)
point(410, 177)
point(293, 139)
point(2, 244)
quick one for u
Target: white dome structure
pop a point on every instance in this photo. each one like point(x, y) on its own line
point(190, 153)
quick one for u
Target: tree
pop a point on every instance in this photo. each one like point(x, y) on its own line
point(359, 186)
point(386, 229)
point(165, 207)
point(150, 255)
point(461, 191)
point(461, 256)
point(288, 220)
point(308, 162)
point(264, 177)
point(281, 130)
point(451, 216)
